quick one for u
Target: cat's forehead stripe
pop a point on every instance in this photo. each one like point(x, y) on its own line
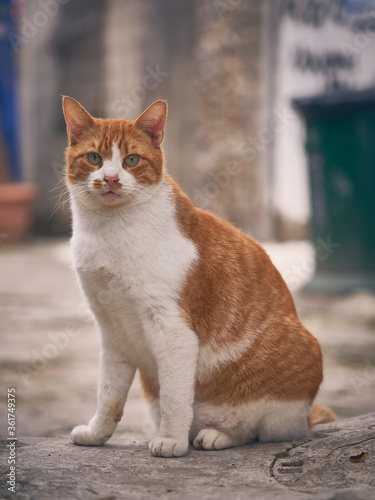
point(116, 153)
point(114, 159)
point(111, 132)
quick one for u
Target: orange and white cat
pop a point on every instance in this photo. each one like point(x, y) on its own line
point(184, 297)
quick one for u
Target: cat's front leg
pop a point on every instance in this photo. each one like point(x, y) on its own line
point(116, 376)
point(176, 349)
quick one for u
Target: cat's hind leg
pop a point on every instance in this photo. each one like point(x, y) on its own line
point(216, 427)
point(213, 439)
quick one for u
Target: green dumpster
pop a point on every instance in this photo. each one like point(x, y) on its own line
point(340, 146)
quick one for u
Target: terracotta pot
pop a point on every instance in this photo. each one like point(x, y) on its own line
point(16, 210)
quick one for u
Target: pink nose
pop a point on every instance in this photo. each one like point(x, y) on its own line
point(110, 180)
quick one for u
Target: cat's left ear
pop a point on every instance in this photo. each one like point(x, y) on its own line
point(152, 121)
point(78, 120)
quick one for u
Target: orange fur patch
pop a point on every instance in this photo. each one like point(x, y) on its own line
point(235, 291)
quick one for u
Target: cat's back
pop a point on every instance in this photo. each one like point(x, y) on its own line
point(232, 269)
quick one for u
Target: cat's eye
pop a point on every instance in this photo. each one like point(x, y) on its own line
point(94, 158)
point(132, 160)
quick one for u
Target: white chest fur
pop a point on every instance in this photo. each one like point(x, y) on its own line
point(132, 262)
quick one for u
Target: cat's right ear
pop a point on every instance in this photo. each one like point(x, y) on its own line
point(78, 120)
point(152, 121)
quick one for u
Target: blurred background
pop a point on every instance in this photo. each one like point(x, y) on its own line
point(271, 125)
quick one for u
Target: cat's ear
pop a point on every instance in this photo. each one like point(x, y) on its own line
point(152, 121)
point(78, 120)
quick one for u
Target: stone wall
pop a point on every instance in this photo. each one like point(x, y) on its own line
point(203, 57)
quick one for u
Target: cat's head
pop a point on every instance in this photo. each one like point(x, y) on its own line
point(114, 162)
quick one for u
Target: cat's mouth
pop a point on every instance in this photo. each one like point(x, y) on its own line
point(110, 195)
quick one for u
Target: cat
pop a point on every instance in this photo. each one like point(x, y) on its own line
point(184, 297)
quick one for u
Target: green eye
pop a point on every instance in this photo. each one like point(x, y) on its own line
point(132, 160)
point(94, 158)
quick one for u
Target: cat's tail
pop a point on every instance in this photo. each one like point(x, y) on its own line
point(320, 414)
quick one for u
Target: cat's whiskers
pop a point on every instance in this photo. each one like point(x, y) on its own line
point(59, 205)
point(84, 191)
point(59, 185)
point(63, 190)
point(139, 196)
point(139, 200)
point(88, 196)
point(80, 189)
point(62, 197)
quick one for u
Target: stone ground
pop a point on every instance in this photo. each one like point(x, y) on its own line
point(49, 353)
point(318, 467)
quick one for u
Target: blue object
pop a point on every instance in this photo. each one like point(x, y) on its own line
point(9, 111)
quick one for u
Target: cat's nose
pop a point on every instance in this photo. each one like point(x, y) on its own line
point(110, 180)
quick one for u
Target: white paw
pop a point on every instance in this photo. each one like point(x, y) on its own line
point(212, 439)
point(83, 435)
point(168, 447)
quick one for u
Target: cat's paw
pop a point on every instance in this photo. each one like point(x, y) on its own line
point(212, 439)
point(168, 447)
point(84, 436)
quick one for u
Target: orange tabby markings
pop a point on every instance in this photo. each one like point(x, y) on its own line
point(196, 305)
point(234, 291)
